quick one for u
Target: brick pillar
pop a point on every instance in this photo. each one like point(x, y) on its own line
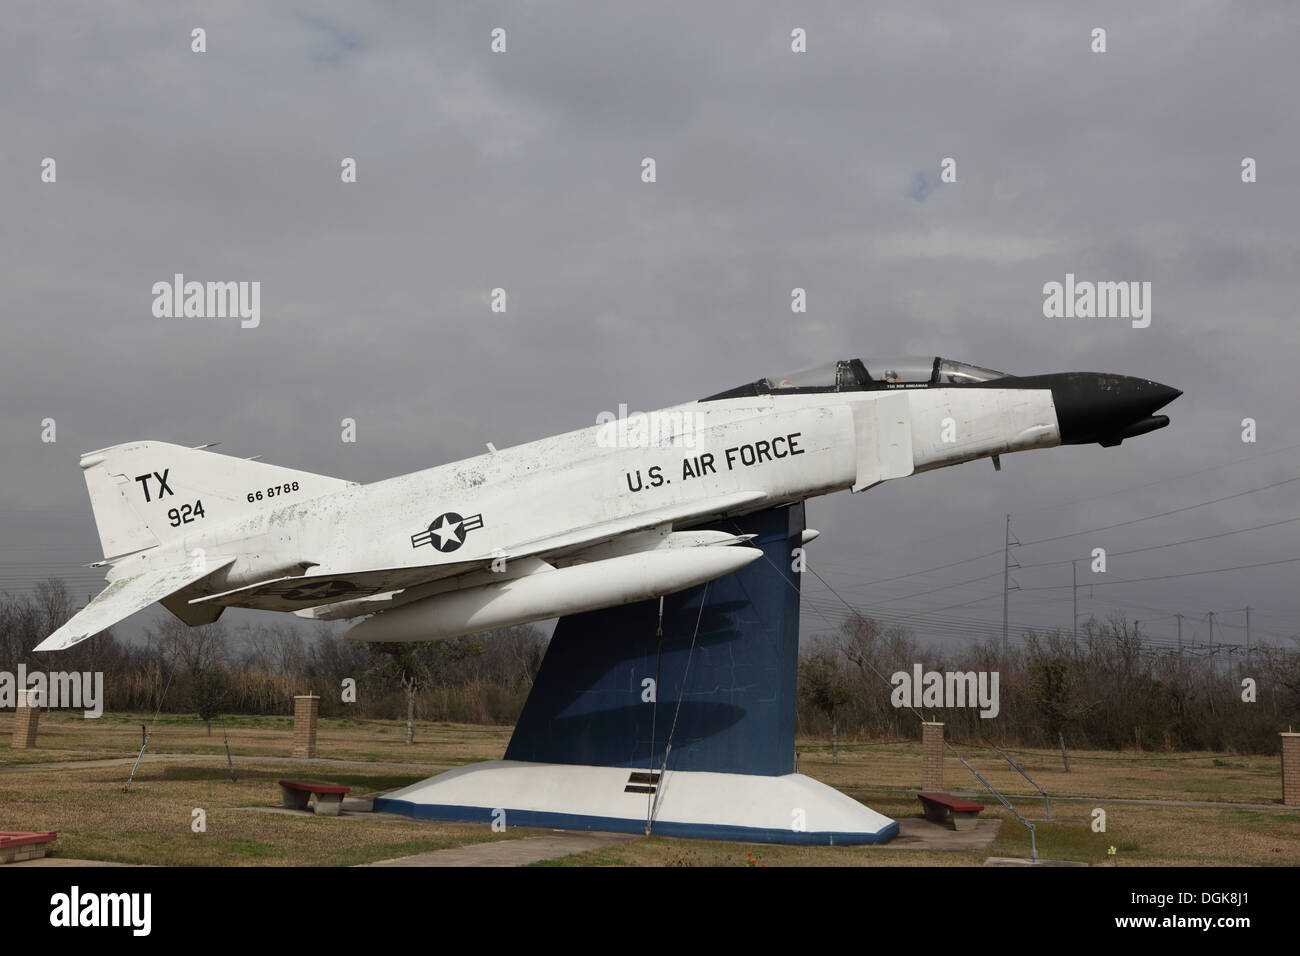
point(931, 757)
point(305, 710)
point(1291, 770)
point(26, 717)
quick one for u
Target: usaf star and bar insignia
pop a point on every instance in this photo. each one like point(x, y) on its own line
point(447, 531)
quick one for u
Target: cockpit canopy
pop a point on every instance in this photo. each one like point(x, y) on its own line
point(849, 375)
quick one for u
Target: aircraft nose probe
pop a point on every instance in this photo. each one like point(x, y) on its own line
point(1093, 407)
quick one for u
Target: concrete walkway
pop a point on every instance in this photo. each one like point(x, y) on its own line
point(1027, 798)
point(1037, 798)
point(64, 861)
point(1016, 861)
point(513, 852)
point(220, 758)
point(915, 833)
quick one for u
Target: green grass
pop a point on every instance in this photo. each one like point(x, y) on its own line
point(151, 823)
point(602, 856)
point(1056, 841)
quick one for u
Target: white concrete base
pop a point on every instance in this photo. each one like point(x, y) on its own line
point(723, 806)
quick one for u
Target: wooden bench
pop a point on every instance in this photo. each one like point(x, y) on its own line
point(329, 796)
point(17, 845)
point(940, 806)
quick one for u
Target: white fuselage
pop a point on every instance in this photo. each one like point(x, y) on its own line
point(784, 448)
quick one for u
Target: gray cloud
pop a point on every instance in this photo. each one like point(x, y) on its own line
point(775, 170)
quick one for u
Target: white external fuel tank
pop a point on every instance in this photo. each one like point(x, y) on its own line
point(572, 590)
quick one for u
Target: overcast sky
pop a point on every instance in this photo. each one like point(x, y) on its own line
point(775, 170)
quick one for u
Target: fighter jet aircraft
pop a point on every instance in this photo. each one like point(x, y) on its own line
point(594, 518)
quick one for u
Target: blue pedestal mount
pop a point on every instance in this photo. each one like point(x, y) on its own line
point(690, 733)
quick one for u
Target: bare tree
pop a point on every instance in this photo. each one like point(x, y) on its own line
point(824, 687)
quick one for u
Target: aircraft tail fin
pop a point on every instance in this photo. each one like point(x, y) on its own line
point(146, 493)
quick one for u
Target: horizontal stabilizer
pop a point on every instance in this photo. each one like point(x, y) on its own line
point(312, 590)
point(121, 599)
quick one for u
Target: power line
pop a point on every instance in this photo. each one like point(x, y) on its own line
point(1074, 534)
point(1162, 514)
point(910, 574)
point(1245, 459)
point(1047, 564)
point(1167, 577)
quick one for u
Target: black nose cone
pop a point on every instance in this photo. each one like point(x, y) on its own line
point(1092, 407)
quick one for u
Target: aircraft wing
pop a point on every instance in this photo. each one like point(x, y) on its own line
point(333, 587)
point(121, 599)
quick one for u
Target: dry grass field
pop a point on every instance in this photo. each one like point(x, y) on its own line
point(1215, 808)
